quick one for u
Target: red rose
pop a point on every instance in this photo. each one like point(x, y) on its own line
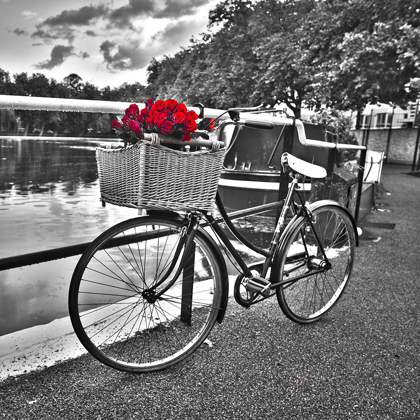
point(181, 108)
point(159, 105)
point(132, 110)
point(190, 124)
point(193, 114)
point(116, 124)
point(160, 120)
point(149, 103)
point(149, 122)
point(164, 113)
point(135, 126)
point(178, 117)
point(140, 118)
point(167, 127)
point(212, 123)
point(171, 104)
point(125, 119)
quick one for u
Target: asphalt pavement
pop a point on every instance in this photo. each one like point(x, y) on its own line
point(359, 362)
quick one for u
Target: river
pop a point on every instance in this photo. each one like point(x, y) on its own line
point(49, 197)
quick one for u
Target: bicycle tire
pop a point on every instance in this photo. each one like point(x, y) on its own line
point(307, 299)
point(117, 322)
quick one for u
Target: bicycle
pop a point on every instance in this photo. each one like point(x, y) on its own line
point(147, 292)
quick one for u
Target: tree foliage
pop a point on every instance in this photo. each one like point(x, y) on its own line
point(339, 53)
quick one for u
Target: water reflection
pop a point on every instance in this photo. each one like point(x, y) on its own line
point(49, 197)
point(33, 166)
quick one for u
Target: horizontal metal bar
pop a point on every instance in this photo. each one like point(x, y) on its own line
point(106, 107)
point(71, 251)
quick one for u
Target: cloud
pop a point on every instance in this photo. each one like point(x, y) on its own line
point(179, 8)
point(63, 32)
point(122, 17)
point(58, 55)
point(134, 53)
point(90, 33)
point(19, 32)
point(125, 56)
point(62, 26)
point(28, 14)
point(83, 16)
point(179, 32)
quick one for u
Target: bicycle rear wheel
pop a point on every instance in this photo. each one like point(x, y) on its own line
point(118, 315)
point(315, 281)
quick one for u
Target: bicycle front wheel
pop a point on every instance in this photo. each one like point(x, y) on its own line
point(315, 263)
point(116, 306)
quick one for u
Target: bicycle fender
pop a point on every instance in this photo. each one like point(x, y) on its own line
point(321, 203)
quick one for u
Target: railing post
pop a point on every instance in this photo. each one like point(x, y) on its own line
point(187, 286)
point(360, 183)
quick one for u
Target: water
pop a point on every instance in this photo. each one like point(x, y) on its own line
point(49, 198)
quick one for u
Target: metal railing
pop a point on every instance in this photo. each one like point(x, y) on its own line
point(81, 105)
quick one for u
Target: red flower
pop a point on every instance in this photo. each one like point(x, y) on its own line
point(125, 119)
point(181, 108)
point(140, 118)
point(159, 105)
point(178, 117)
point(135, 126)
point(116, 124)
point(149, 103)
point(190, 124)
point(132, 110)
point(171, 104)
point(192, 114)
point(160, 120)
point(167, 127)
point(211, 125)
point(186, 137)
point(164, 113)
point(149, 122)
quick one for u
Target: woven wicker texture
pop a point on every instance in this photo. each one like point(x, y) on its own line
point(149, 177)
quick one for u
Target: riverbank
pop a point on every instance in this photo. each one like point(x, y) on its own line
point(360, 362)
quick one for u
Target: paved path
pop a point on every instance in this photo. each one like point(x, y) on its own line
point(360, 362)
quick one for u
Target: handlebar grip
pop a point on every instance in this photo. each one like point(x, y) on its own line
point(265, 125)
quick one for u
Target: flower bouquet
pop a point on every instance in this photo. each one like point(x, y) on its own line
point(169, 118)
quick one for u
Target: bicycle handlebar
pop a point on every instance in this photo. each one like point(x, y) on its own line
point(268, 122)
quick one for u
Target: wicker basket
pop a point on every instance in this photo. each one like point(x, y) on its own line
point(143, 176)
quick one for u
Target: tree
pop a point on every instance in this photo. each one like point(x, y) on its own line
point(74, 82)
point(375, 57)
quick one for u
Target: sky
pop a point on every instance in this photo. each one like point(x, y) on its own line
point(105, 42)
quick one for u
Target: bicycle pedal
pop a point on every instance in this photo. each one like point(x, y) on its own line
point(259, 285)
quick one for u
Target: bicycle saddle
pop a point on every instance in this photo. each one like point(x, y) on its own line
point(304, 168)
